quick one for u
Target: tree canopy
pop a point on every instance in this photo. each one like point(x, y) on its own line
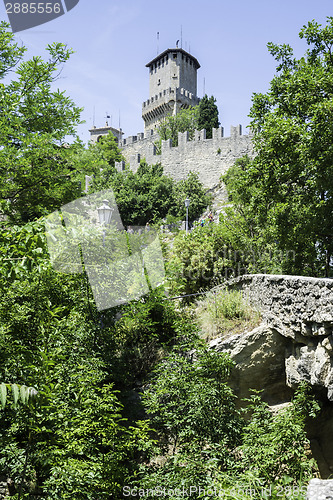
point(36, 173)
point(203, 116)
point(186, 120)
point(287, 189)
point(208, 115)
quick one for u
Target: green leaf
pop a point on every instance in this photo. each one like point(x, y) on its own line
point(16, 393)
point(3, 395)
point(24, 394)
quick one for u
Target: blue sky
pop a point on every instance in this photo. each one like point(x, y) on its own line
point(113, 40)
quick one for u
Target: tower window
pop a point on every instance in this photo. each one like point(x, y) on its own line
point(159, 82)
point(175, 55)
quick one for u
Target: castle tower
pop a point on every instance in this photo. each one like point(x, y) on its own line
point(172, 86)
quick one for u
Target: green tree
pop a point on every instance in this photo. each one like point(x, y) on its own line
point(203, 258)
point(36, 172)
point(275, 447)
point(250, 236)
point(288, 186)
point(189, 400)
point(71, 437)
point(193, 188)
point(208, 115)
point(186, 120)
point(148, 195)
point(143, 196)
point(108, 147)
point(99, 155)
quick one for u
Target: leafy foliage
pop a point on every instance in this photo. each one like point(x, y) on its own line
point(285, 193)
point(276, 447)
point(69, 374)
point(148, 195)
point(19, 393)
point(189, 400)
point(258, 458)
point(203, 258)
point(36, 174)
point(51, 339)
point(208, 115)
point(203, 116)
point(186, 120)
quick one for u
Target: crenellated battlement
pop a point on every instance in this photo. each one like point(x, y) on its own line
point(208, 157)
point(183, 137)
point(169, 95)
point(141, 136)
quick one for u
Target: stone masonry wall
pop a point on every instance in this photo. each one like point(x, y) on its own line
point(294, 305)
point(300, 309)
point(208, 157)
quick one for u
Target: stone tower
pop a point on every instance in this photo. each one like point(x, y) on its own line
point(172, 86)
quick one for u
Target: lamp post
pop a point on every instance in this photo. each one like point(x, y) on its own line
point(104, 215)
point(187, 204)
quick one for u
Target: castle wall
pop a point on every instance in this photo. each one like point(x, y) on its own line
point(138, 147)
point(210, 158)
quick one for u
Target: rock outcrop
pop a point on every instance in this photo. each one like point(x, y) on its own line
point(259, 358)
point(294, 343)
point(300, 309)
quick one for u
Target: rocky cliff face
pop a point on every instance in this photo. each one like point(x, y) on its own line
point(300, 310)
point(293, 344)
point(260, 363)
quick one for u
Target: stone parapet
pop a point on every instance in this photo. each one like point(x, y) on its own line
point(294, 305)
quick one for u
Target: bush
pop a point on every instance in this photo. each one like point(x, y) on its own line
point(275, 448)
point(190, 402)
point(270, 462)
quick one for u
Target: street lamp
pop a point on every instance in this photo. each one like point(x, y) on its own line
point(104, 215)
point(187, 204)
